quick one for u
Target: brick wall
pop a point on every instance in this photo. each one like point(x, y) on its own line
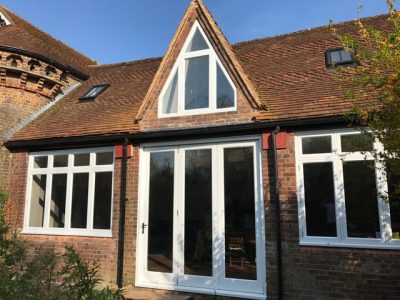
point(320, 272)
point(103, 250)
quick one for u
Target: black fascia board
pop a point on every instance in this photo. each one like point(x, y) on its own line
point(178, 134)
point(67, 68)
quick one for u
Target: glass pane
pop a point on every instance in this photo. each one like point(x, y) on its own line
point(40, 162)
point(161, 204)
point(60, 161)
point(197, 82)
point(57, 204)
point(346, 56)
point(393, 180)
point(240, 231)
point(169, 103)
point(319, 199)
point(79, 200)
point(320, 144)
point(197, 43)
point(361, 199)
point(356, 142)
point(82, 159)
point(335, 56)
point(38, 193)
point(198, 212)
point(104, 158)
point(225, 92)
point(102, 201)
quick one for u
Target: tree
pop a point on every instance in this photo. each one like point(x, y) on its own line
point(374, 86)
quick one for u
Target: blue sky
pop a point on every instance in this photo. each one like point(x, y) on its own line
point(124, 30)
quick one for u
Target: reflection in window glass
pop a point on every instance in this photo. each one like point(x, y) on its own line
point(393, 179)
point(161, 204)
point(225, 92)
point(102, 200)
point(197, 43)
point(356, 142)
point(361, 199)
point(319, 199)
point(104, 158)
point(319, 144)
point(82, 159)
point(198, 212)
point(170, 98)
point(197, 82)
point(40, 162)
point(57, 204)
point(79, 200)
point(60, 161)
point(240, 232)
point(38, 193)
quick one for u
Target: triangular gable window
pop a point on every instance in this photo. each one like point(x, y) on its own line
point(3, 20)
point(198, 83)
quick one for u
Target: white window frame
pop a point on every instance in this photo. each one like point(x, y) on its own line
point(179, 67)
point(5, 19)
point(337, 157)
point(92, 169)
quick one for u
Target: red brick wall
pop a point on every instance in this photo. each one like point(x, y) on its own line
point(320, 272)
point(103, 250)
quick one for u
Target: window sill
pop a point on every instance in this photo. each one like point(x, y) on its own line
point(68, 232)
point(392, 245)
point(195, 112)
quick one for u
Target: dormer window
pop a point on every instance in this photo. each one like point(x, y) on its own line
point(337, 57)
point(198, 83)
point(3, 20)
point(94, 92)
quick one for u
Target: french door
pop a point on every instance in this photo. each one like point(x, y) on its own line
point(200, 223)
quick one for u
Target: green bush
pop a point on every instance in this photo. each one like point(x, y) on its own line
point(47, 275)
point(3, 199)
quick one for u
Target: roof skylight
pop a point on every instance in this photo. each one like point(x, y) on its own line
point(94, 91)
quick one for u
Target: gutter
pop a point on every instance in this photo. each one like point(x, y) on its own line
point(69, 69)
point(277, 215)
point(171, 134)
point(122, 212)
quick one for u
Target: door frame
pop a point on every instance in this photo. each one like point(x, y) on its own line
point(141, 242)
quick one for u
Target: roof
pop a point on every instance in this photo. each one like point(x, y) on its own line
point(288, 71)
point(111, 112)
point(23, 35)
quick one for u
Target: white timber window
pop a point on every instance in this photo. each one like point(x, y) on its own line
point(198, 83)
point(70, 192)
point(344, 198)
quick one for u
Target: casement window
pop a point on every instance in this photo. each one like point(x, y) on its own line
point(343, 192)
point(70, 192)
point(198, 83)
point(338, 57)
point(200, 220)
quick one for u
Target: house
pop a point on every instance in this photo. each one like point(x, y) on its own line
point(164, 170)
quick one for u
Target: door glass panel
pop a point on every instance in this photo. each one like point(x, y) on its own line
point(38, 193)
point(356, 142)
point(197, 82)
point(161, 204)
point(82, 159)
point(319, 199)
point(57, 204)
point(361, 199)
point(60, 161)
point(198, 212)
point(240, 232)
point(79, 200)
point(393, 181)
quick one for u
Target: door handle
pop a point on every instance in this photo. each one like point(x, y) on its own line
point(143, 227)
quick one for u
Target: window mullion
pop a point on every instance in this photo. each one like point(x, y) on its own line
point(181, 86)
point(212, 82)
point(341, 224)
